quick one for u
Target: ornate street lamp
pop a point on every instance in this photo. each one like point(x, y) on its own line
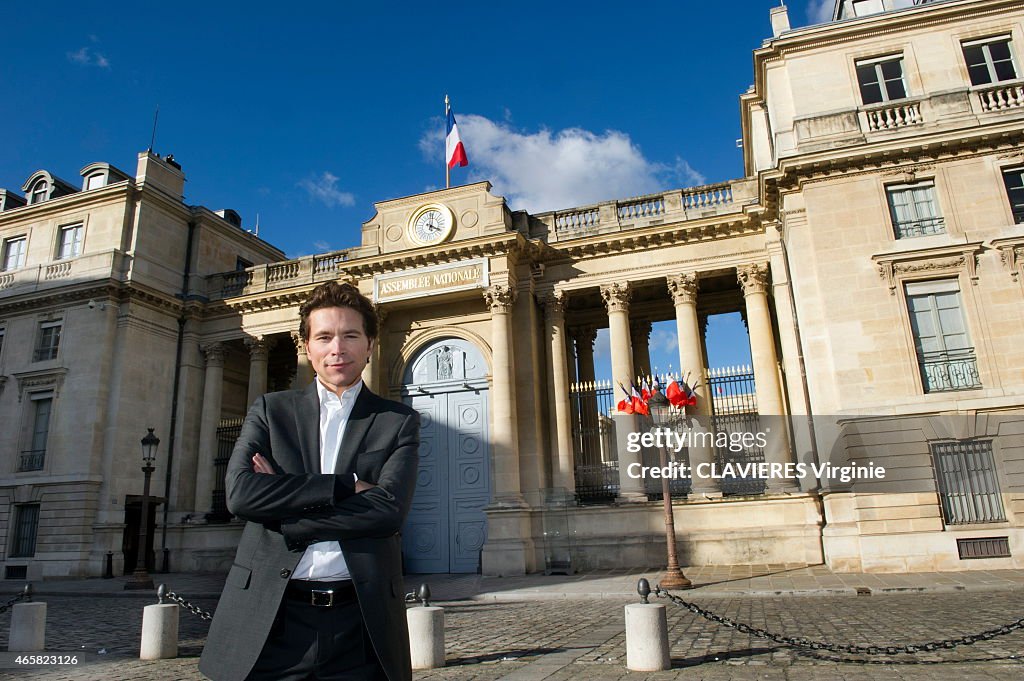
point(140, 579)
point(663, 416)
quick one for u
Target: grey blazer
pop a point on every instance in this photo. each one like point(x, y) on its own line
point(298, 507)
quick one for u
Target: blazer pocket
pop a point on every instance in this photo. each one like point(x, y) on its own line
point(239, 577)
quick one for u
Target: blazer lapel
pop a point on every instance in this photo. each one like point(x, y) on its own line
point(359, 422)
point(307, 424)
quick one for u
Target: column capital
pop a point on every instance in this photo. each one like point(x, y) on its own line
point(499, 298)
point(259, 347)
point(683, 288)
point(616, 297)
point(300, 345)
point(382, 314)
point(753, 278)
point(554, 304)
point(584, 334)
point(214, 353)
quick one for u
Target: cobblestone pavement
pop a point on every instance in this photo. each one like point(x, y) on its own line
point(555, 640)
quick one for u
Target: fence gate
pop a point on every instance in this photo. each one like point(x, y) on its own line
point(593, 441)
point(734, 410)
point(227, 433)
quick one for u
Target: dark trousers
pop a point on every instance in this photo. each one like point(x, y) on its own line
point(309, 642)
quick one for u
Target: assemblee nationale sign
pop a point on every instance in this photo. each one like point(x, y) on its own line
point(430, 280)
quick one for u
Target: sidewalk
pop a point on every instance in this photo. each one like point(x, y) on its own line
point(709, 581)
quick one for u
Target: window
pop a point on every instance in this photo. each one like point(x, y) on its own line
point(968, 487)
point(14, 252)
point(914, 211)
point(881, 80)
point(70, 244)
point(39, 192)
point(1014, 181)
point(26, 525)
point(989, 61)
point(2, 343)
point(49, 341)
point(32, 459)
point(94, 181)
point(241, 264)
point(944, 353)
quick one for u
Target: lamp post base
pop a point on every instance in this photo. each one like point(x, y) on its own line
point(674, 579)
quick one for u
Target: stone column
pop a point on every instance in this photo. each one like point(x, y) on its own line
point(640, 339)
point(683, 289)
point(259, 350)
point(616, 300)
point(504, 436)
point(213, 390)
point(767, 386)
point(303, 369)
point(563, 467)
point(374, 375)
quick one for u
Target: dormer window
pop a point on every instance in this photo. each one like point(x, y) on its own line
point(95, 181)
point(40, 192)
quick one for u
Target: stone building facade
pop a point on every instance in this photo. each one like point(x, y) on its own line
point(874, 246)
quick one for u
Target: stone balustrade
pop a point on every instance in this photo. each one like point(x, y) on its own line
point(893, 116)
point(307, 269)
point(105, 264)
point(1001, 97)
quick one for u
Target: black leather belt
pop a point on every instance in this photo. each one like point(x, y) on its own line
point(321, 594)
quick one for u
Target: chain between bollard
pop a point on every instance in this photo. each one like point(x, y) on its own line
point(25, 595)
point(163, 592)
point(848, 648)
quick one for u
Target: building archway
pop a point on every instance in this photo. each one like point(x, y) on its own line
point(446, 382)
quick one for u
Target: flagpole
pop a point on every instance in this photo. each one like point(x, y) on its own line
point(447, 170)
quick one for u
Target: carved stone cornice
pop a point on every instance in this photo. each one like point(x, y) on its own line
point(499, 298)
point(894, 268)
point(753, 278)
point(683, 288)
point(584, 335)
point(259, 347)
point(300, 345)
point(616, 297)
point(1011, 254)
point(214, 353)
point(661, 236)
point(40, 380)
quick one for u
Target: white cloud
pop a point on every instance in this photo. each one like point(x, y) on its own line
point(548, 170)
point(321, 246)
point(324, 188)
point(820, 11)
point(88, 57)
point(663, 340)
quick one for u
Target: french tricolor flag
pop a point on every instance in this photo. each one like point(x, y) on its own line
point(455, 152)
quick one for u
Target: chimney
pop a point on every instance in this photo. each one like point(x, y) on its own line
point(162, 173)
point(780, 20)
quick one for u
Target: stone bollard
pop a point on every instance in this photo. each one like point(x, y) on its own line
point(159, 630)
point(426, 633)
point(28, 628)
point(646, 634)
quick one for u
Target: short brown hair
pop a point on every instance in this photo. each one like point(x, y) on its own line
point(333, 294)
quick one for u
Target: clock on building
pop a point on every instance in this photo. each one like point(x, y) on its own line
point(431, 224)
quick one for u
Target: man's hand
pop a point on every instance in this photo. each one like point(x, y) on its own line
point(261, 465)
point(363, 486)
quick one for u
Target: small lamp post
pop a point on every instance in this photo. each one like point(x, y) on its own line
point(662, 415)
point(140, 579)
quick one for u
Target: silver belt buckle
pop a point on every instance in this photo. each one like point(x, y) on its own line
point(322, 598)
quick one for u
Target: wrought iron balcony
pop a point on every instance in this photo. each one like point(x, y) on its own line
point(923, 227)
point(949, 370)
point(31, 460)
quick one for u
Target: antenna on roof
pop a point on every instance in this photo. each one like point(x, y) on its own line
point(152, 140)
point(257, 224)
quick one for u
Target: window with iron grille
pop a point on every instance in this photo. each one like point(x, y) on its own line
point(945, 356)
point(14, 252)
point(70, 245)
point(989, 61)
point(881, 80)
point(914, 210)
point(2, 331)
point(26, 525)
point(968, 487)
point(33, 458)
point(1014, 181)
point(49, 341)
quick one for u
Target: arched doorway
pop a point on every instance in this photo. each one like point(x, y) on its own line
point(446, 383)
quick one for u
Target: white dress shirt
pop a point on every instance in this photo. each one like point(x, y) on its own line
point(324, 561)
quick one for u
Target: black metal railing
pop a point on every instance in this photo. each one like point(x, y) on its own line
point(593, 441)
point(949, 370)
point(227, 433)
point(31, 460)
point(968, 485)
point(923, 227)
point(734, 410)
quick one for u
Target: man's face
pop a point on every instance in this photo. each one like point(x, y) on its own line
point(338, 347)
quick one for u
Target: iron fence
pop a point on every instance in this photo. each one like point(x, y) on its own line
point(734, 410)
point(227, 433)
point(593, 441)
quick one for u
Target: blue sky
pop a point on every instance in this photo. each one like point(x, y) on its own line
point(307, 114)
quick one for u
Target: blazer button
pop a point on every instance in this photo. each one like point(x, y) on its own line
point(285, 574)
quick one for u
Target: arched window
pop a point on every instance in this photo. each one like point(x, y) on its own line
point(39, 192)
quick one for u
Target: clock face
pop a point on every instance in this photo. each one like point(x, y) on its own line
point(431, 224)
